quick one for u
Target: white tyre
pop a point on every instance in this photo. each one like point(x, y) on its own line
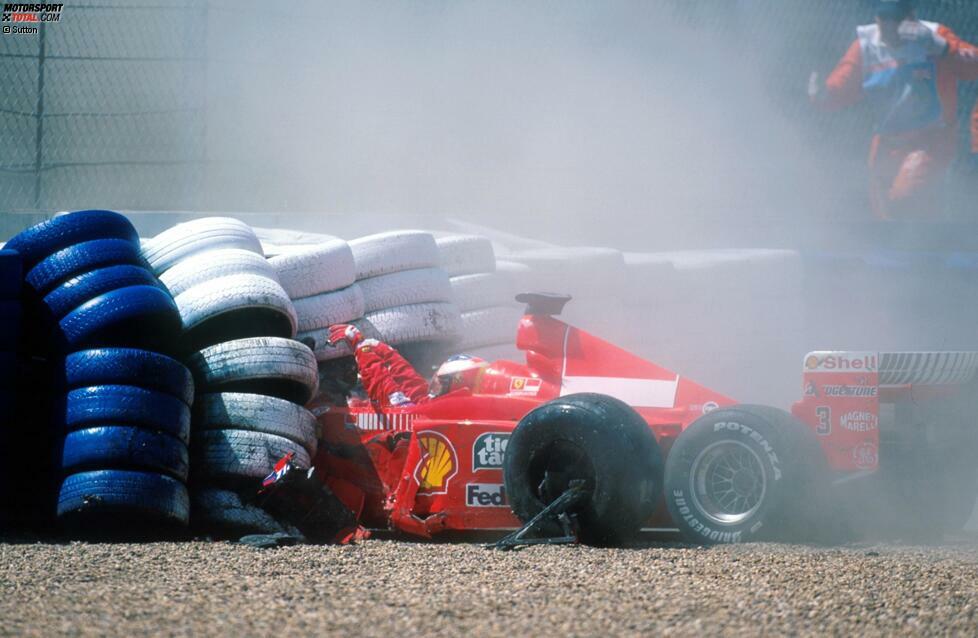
point(210, 233)
point(423, 285)
point(255, 413)
point(465, 254)
point(271, 366)
point(235, 307)
point(305, 271)
point(213, 264)
point(327, 309)
point(223, 513)
point(488, 326)
point(416, 322)
point(481, 290)
point(393, 251)
point(232, 455)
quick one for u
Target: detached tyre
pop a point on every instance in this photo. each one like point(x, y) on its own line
point(742, 474)
point(589, 437)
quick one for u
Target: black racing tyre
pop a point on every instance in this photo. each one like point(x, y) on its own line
point(592, 437)
point(112, 500)
point(139, 316)
point(129, 366)
point(126, 405)
point(741, 474)
point(11, 324)
point(41, 240)
point(81, 258)
point(123, 447)
point(80, 288)
point(11, 274)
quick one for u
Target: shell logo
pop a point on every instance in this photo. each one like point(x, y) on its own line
point(811, 362)
point(438, 463)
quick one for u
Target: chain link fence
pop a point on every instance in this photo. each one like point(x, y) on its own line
point(109, 106)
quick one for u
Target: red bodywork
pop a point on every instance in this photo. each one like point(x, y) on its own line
point(438, 466)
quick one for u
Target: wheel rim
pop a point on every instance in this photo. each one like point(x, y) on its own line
point(553, 468)
point(728, 482)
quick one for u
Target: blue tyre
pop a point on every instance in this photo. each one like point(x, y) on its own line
point(126, 405)
point(138, 316)
point(121, 447)
point(79, 289)
point(11, 323)
point(115, 498)
point(81, 258)
point(41, 240)
point(128, 366)
point(11, 274)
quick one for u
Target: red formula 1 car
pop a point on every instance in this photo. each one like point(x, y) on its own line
point(623, 444)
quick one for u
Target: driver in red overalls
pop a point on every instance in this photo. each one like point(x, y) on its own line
point(910, 69)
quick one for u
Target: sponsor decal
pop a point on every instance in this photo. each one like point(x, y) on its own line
point(858, 421)
point(438, 463)
point(861, 391)
point(710, 406)
point(689, 516)
point(811, 390)
point(486, 495)
point(527, 386)
point(851, 362)
point(488, 451)
point(865, 456)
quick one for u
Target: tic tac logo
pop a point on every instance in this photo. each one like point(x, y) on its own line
point(485, 495)
point(843, 362)
point(489, 450)
point(438, 463)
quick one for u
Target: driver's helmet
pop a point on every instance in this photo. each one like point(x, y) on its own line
point(459, 371)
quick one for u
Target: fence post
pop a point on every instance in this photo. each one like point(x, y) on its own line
point(40, 119)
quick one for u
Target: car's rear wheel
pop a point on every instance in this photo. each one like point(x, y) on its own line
point(743, 474)
point(595, 439)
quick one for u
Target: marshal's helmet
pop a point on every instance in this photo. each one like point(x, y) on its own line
point(459, 371)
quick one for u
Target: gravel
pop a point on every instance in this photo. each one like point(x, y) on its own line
point(388, 588)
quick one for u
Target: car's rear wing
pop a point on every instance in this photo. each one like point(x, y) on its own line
point(843, 392)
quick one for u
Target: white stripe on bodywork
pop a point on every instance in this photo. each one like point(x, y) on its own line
point(639, 393)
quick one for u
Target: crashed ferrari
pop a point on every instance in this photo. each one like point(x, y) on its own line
point(586, 441)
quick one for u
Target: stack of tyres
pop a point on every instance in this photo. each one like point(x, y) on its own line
point(10, 330)
point(98, 321)
point(408, 299)
point(251, 376)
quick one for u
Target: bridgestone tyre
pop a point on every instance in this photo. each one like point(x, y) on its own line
point(124, 448)
point(393, 251)
point(139, 316)
point(81, 258)
point(256, 413)
point(306, 271)
point(41, 240)
point(594, 438)
point(489, 326)
point(327, 309)
point(271, 366)
point(128, 366)
point(190, 238)
point(79, 289)
point(481, 290)
point(223, 514)
point(228, 456)
point(416, 322)
point(11, 274)
point(235, 307)
point(126, 405)
point(424, 285)
point(466, 254)
point(213, 264)
point(742, 474)
point(115, 497)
